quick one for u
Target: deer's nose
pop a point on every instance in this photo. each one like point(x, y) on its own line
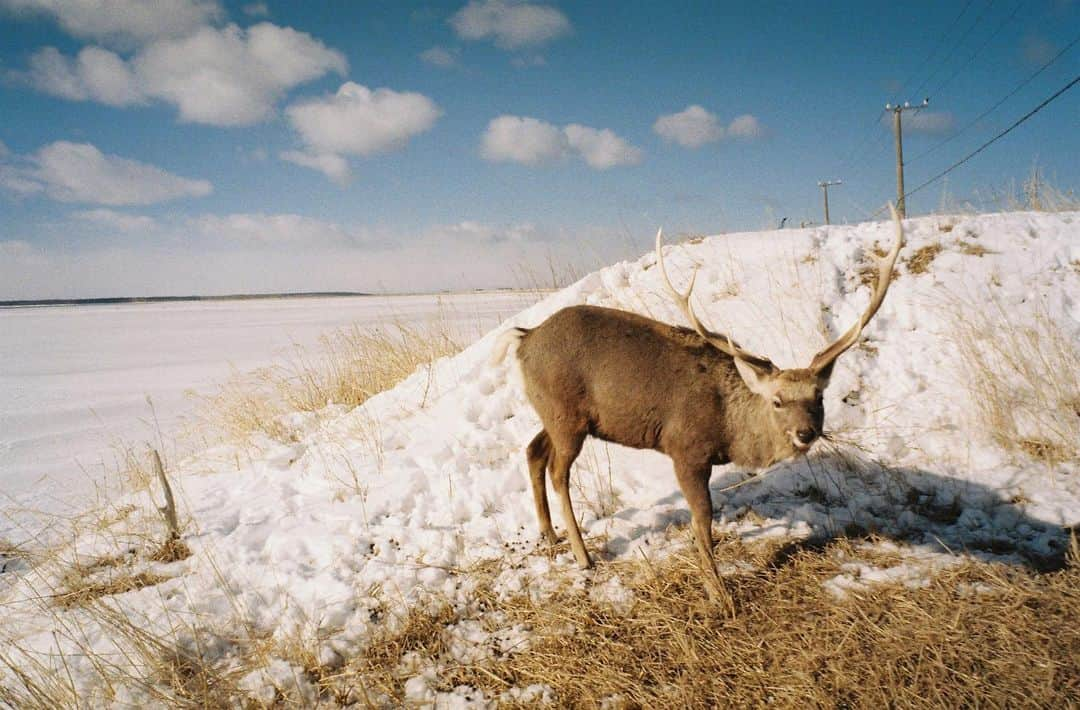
point(806, 435)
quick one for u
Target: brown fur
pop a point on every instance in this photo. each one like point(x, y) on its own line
point(621, 377)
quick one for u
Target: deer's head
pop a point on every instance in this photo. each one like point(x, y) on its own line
point(793, 397)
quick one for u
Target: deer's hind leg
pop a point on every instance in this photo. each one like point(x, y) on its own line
point(539, 453)
point(566, 449)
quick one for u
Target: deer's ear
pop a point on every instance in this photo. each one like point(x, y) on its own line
point(758, 380)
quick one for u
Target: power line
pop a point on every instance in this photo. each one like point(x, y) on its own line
point(955, 46)
point(987, 144)
point(940, 42)
point(993, 108)
point(962, 67)
point(861, 149)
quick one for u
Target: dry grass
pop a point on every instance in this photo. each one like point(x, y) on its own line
point(350, 365)
point(84, 582)
point(1036, 192)
point(972, 248)
point(977, 635)
point(354, 364)
point(84, 591)
point(1024, 380)
point(919, 262)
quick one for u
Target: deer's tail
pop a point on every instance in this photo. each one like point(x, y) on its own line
point(510, 337)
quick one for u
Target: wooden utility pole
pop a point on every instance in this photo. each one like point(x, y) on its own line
point(824, 185)
point(901, 207)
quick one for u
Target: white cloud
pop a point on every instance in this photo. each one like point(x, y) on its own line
point(256, 9)
point(921, 121)
point(233, 76)
point(692, 127)
point(509, 23)
point(4, 152)
point(601, 148)
point(357, 121)
point(530, 141)
point(332, 165)
point(222, 77)
point(118, 221)
point(258, 252)
point(745, 126)
point(520, 139)
point(17, 249)
point(1036, 50)
point(440, 57)
point(927, 121)
point(15, 181)
point(525, 61)
point(94, 74)
point(79, 172)
point(471, 232)
point(122, 22)
point(258, 229)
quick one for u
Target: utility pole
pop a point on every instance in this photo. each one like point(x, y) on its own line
point(824, 185)
point(901, 207)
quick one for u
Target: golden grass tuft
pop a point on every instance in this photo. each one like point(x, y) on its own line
point(977, 634)
point(355, 364)
point(81, 591)
point(172, 550)
point(919, 262)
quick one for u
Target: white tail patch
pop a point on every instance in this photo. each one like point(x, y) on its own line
point(510, 337)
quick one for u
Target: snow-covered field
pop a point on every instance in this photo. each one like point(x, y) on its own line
point(74, 379)
point(311, 534)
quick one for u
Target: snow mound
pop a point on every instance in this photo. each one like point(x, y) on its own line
point(305, 538)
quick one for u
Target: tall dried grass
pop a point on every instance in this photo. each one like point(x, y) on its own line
point(348, 366)
point(1036, 192)
point(1023, 376)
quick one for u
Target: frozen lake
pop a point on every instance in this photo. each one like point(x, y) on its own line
point(74, 379)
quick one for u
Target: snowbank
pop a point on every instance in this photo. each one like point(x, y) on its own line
point(307, 538)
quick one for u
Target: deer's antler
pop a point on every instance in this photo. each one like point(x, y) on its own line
point(826, 357)
point(723, 343)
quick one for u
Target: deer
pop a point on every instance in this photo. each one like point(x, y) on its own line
point(690, 393)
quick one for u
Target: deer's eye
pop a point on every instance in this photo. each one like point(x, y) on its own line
point(777, 403)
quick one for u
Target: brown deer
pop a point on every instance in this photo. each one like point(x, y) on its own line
point(692, 394)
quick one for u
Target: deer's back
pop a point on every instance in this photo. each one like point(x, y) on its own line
point(625, 378)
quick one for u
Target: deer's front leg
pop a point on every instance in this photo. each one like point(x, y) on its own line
point(694, 481)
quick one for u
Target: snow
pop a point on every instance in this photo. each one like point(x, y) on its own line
point(292, 536)
point(74, 380)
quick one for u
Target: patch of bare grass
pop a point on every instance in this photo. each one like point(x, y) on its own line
point(976, 634)
point(919, 262)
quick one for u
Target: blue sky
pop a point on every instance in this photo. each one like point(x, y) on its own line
point(198, 146)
